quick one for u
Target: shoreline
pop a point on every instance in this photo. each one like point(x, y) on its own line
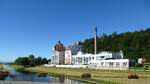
point(78, 78)
point(97, 76)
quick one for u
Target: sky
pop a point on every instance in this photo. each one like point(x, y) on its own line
point(35, 26)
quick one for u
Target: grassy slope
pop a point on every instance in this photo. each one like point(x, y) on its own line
point(67, 72)
point(17, 66)
point(115, 76)
point(1, 67)
point(104, 76)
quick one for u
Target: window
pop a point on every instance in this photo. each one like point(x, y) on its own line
point(93, 58)
point(111, 64)
point(107, 64)
point(117, 64)
point(102, 63)
point(102, 56)
point(89, 58)
point(124, 64)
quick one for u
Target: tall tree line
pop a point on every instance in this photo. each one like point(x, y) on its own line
point(133, 44)
point(31, 61)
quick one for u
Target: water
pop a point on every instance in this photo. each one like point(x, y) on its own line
point(20, 76)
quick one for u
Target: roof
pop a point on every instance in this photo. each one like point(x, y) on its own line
point(60, 47)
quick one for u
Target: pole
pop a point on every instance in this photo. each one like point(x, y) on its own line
point(95, 39)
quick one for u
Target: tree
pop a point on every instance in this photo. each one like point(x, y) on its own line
point(44, 61)
point(31, 61)
point(22, 61)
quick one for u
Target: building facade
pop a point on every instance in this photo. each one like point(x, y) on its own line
point(71, 50)
point(68, 56)
point(103, 60)
point(58, 55)
point(72, 56)
point(121, 64)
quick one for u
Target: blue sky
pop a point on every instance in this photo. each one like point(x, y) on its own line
point(34, 26)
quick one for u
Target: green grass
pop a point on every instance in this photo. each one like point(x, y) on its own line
point(1, 67)
point(98, 76)
point(16, 66)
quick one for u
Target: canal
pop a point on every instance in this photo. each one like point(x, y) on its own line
point(32, 77)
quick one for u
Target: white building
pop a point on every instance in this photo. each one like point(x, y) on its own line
point(58, 56)
point(110, 64)
point(74, 58)
point(68, 56)
point(81, 59)
point(103, 60)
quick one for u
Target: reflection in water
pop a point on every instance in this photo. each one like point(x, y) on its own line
point(20, 76)
point(61, 79)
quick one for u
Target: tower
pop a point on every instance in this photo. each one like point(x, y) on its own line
point(95, 40)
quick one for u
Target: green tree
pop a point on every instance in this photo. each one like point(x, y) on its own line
point(31, 61)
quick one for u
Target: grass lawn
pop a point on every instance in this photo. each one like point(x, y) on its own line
point(98, 76)
point(1, 67)
point(17, 66)
point(117, 76)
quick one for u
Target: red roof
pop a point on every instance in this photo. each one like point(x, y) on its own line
point(59, 47)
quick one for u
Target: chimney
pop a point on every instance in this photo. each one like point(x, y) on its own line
point(95, 40)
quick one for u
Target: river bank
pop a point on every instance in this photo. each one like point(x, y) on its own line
point(74, 74)
point(3, 73)
point(17, 75)
point(98, 76)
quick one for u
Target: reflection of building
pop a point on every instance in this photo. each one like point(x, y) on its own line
point(58, 54)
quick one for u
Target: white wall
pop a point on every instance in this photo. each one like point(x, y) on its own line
point(106, 64)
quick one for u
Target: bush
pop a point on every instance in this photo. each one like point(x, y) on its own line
point(86, 75)
point(133, 76)
point(139, 65)
point(146, 67)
